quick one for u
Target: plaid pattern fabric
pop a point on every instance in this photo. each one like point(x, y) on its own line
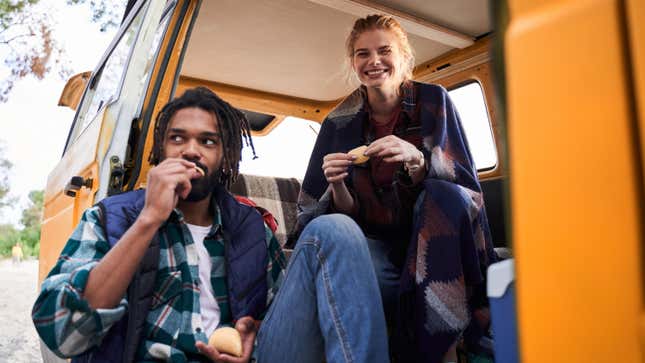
point(278, 195)
point(69, 326)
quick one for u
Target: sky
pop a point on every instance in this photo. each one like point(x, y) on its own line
point(33, 128)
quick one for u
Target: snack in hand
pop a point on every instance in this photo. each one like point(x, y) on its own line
point(358, 152)
point(200, 170)
point(226, 340)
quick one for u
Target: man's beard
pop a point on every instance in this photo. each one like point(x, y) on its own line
point(203, 186)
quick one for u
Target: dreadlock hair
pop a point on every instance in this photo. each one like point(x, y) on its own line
point(232, 124)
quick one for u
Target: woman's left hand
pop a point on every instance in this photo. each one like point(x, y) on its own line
point(393, 149)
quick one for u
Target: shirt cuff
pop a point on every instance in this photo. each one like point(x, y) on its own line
point(84, 320)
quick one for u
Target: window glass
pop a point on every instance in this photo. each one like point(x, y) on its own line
point(108, 81)
point(284, 152)
point(471, 105)
point(147, 70)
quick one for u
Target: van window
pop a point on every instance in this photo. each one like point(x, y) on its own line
point(471, 105)
point(284, 152)
point(107, 82)
point(154, 50)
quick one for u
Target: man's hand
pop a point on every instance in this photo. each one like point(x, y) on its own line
point(167, 182)
point(248, 329)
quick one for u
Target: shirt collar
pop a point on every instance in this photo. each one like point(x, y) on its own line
point(408, 98)
point(178, 217)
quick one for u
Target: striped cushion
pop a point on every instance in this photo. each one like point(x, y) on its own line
point(277, 195)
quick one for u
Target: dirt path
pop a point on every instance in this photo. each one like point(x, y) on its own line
point(18, 338)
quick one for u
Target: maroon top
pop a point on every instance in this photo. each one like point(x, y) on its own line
point(383, 193)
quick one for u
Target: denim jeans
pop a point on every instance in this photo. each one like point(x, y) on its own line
point(388, 264)
point(329, 304)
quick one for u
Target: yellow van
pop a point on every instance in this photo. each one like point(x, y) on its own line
point(567, 107)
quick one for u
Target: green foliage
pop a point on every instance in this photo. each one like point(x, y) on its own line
point(29, 236)
point(28, 45)
point(29, 239)
point(5, 170)
point(32, 215)
point(8, 8)
point(107, 13)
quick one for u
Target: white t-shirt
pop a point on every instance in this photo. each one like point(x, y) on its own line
point(208, 305)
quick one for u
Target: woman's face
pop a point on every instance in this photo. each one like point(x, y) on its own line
point(377, 59)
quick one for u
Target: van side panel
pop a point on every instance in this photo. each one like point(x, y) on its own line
point(62, 212)
point(575, 187)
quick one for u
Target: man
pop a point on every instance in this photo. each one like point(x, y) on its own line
point(149, 275)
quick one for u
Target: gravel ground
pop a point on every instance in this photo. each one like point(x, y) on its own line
point(18, 339)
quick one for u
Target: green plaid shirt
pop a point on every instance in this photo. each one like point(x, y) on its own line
point(69, 326)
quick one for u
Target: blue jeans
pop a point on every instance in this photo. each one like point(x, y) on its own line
point(329, 304)
point(388, 264)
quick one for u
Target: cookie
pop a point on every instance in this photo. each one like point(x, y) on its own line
point(358, 152)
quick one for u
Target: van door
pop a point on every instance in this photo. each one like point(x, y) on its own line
point(98, 139)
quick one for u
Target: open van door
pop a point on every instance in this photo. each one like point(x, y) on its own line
point(98, 140)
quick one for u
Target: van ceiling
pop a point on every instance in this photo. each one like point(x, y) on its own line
point(296, 47)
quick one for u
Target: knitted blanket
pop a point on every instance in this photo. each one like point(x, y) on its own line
point(450, 243)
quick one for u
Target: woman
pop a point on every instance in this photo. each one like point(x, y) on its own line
point(417, 199)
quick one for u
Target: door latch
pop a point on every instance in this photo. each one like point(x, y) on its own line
point(116, 176)
point(76, 183)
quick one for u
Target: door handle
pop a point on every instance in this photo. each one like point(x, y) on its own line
point(75, 184)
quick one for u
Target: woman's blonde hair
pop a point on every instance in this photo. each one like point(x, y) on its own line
point(382, 22)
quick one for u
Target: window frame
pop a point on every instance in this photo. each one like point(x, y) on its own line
point(97, 73)
point(465, 83)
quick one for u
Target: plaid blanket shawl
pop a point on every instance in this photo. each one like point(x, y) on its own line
point(442, 283)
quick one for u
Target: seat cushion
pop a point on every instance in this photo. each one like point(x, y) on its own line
point(277, 195)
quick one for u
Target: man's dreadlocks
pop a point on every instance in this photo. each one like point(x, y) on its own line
point(232, 123)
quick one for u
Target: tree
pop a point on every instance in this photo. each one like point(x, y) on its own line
point(27, 42)
point(32, 215)
point(5, 171)
point(29, 236)
point(105, 12)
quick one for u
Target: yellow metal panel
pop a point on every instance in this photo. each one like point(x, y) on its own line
point(60, 217)
point(576, 231)
point(53, 234)
point(264, 102)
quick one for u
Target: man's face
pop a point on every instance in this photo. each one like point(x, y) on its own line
point(193, 134)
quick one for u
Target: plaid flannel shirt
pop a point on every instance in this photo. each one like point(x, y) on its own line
point(69, 326)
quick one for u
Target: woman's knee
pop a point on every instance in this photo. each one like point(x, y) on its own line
point(335, 230)
point(443, 196)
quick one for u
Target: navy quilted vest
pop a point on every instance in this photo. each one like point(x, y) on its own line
point(246, 259)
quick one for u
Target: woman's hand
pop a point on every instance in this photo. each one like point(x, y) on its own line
point(248, 329)
point(335, 167)
point(393, 149)
point(335, 170)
